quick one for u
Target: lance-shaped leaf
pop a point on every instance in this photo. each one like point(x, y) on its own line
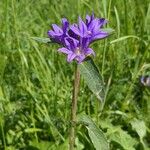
point(96, 134)
point(3, 61)
point(41, 40)
point(92, 78)
point(108, 30)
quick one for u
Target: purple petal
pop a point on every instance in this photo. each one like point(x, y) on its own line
point(57, 29)
point(73, 35)
point(65, 24)
point(55, 37)
point(71, 43)
point(102, 22)
point(80, 58)
point(100, 35)
point(94, 25)
point(82, 28)
point(71, 56)
point(84, 42)
point(75, 43)
point(92, 16)
point(51, 33)
point(67, 43)
point(75, 29)
point(89, 51)
point(64, 50)
point(88, 19)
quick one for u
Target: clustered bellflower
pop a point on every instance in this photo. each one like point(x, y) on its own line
point(76, 38)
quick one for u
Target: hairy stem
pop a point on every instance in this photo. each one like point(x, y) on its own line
point(74, 108)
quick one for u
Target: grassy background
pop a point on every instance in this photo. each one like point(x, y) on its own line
point(36, 81)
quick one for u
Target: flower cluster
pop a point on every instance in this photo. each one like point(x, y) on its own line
point(145, 80)
point(76, 38)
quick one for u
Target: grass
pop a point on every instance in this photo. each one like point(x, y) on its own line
point(36, 81)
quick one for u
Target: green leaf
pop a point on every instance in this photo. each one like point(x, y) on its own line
point(42, 145)
point(62, 146)
point(108, 30)
point(96, 134)
point(79, 145)
point(92, 78)
point(3, 61)
point(139, 127)
point(123, 138)
point(118, 135)
point(33, 130)
point(41, 40)
point(128, 37)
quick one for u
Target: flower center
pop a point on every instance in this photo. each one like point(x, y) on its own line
point(89, 32)
point(77, 51)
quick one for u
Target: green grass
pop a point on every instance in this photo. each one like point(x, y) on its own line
point(36, 81)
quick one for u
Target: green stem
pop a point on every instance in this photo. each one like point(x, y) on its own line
point(3, 135)
point(74, 108)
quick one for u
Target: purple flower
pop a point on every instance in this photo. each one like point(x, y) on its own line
point(91, 29)
point(75, 49)
point(76, 38)
point(58, 34)
point(145, 80)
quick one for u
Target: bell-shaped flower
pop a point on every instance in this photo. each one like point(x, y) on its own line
point(58, 34)
point(76, 50)
point(91, 29)
point(77, 38)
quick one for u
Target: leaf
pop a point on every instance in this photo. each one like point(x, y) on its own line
point(123, 138)
point(92, 78)
point(42, 145)
point(10, 148)
point(96, 134)
point(3, 61)
point(128, 37)
point(42, 40)
point(79, 145)
point(139, 127)
point(118, 135)
point(108, 30)
point(32, 130)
